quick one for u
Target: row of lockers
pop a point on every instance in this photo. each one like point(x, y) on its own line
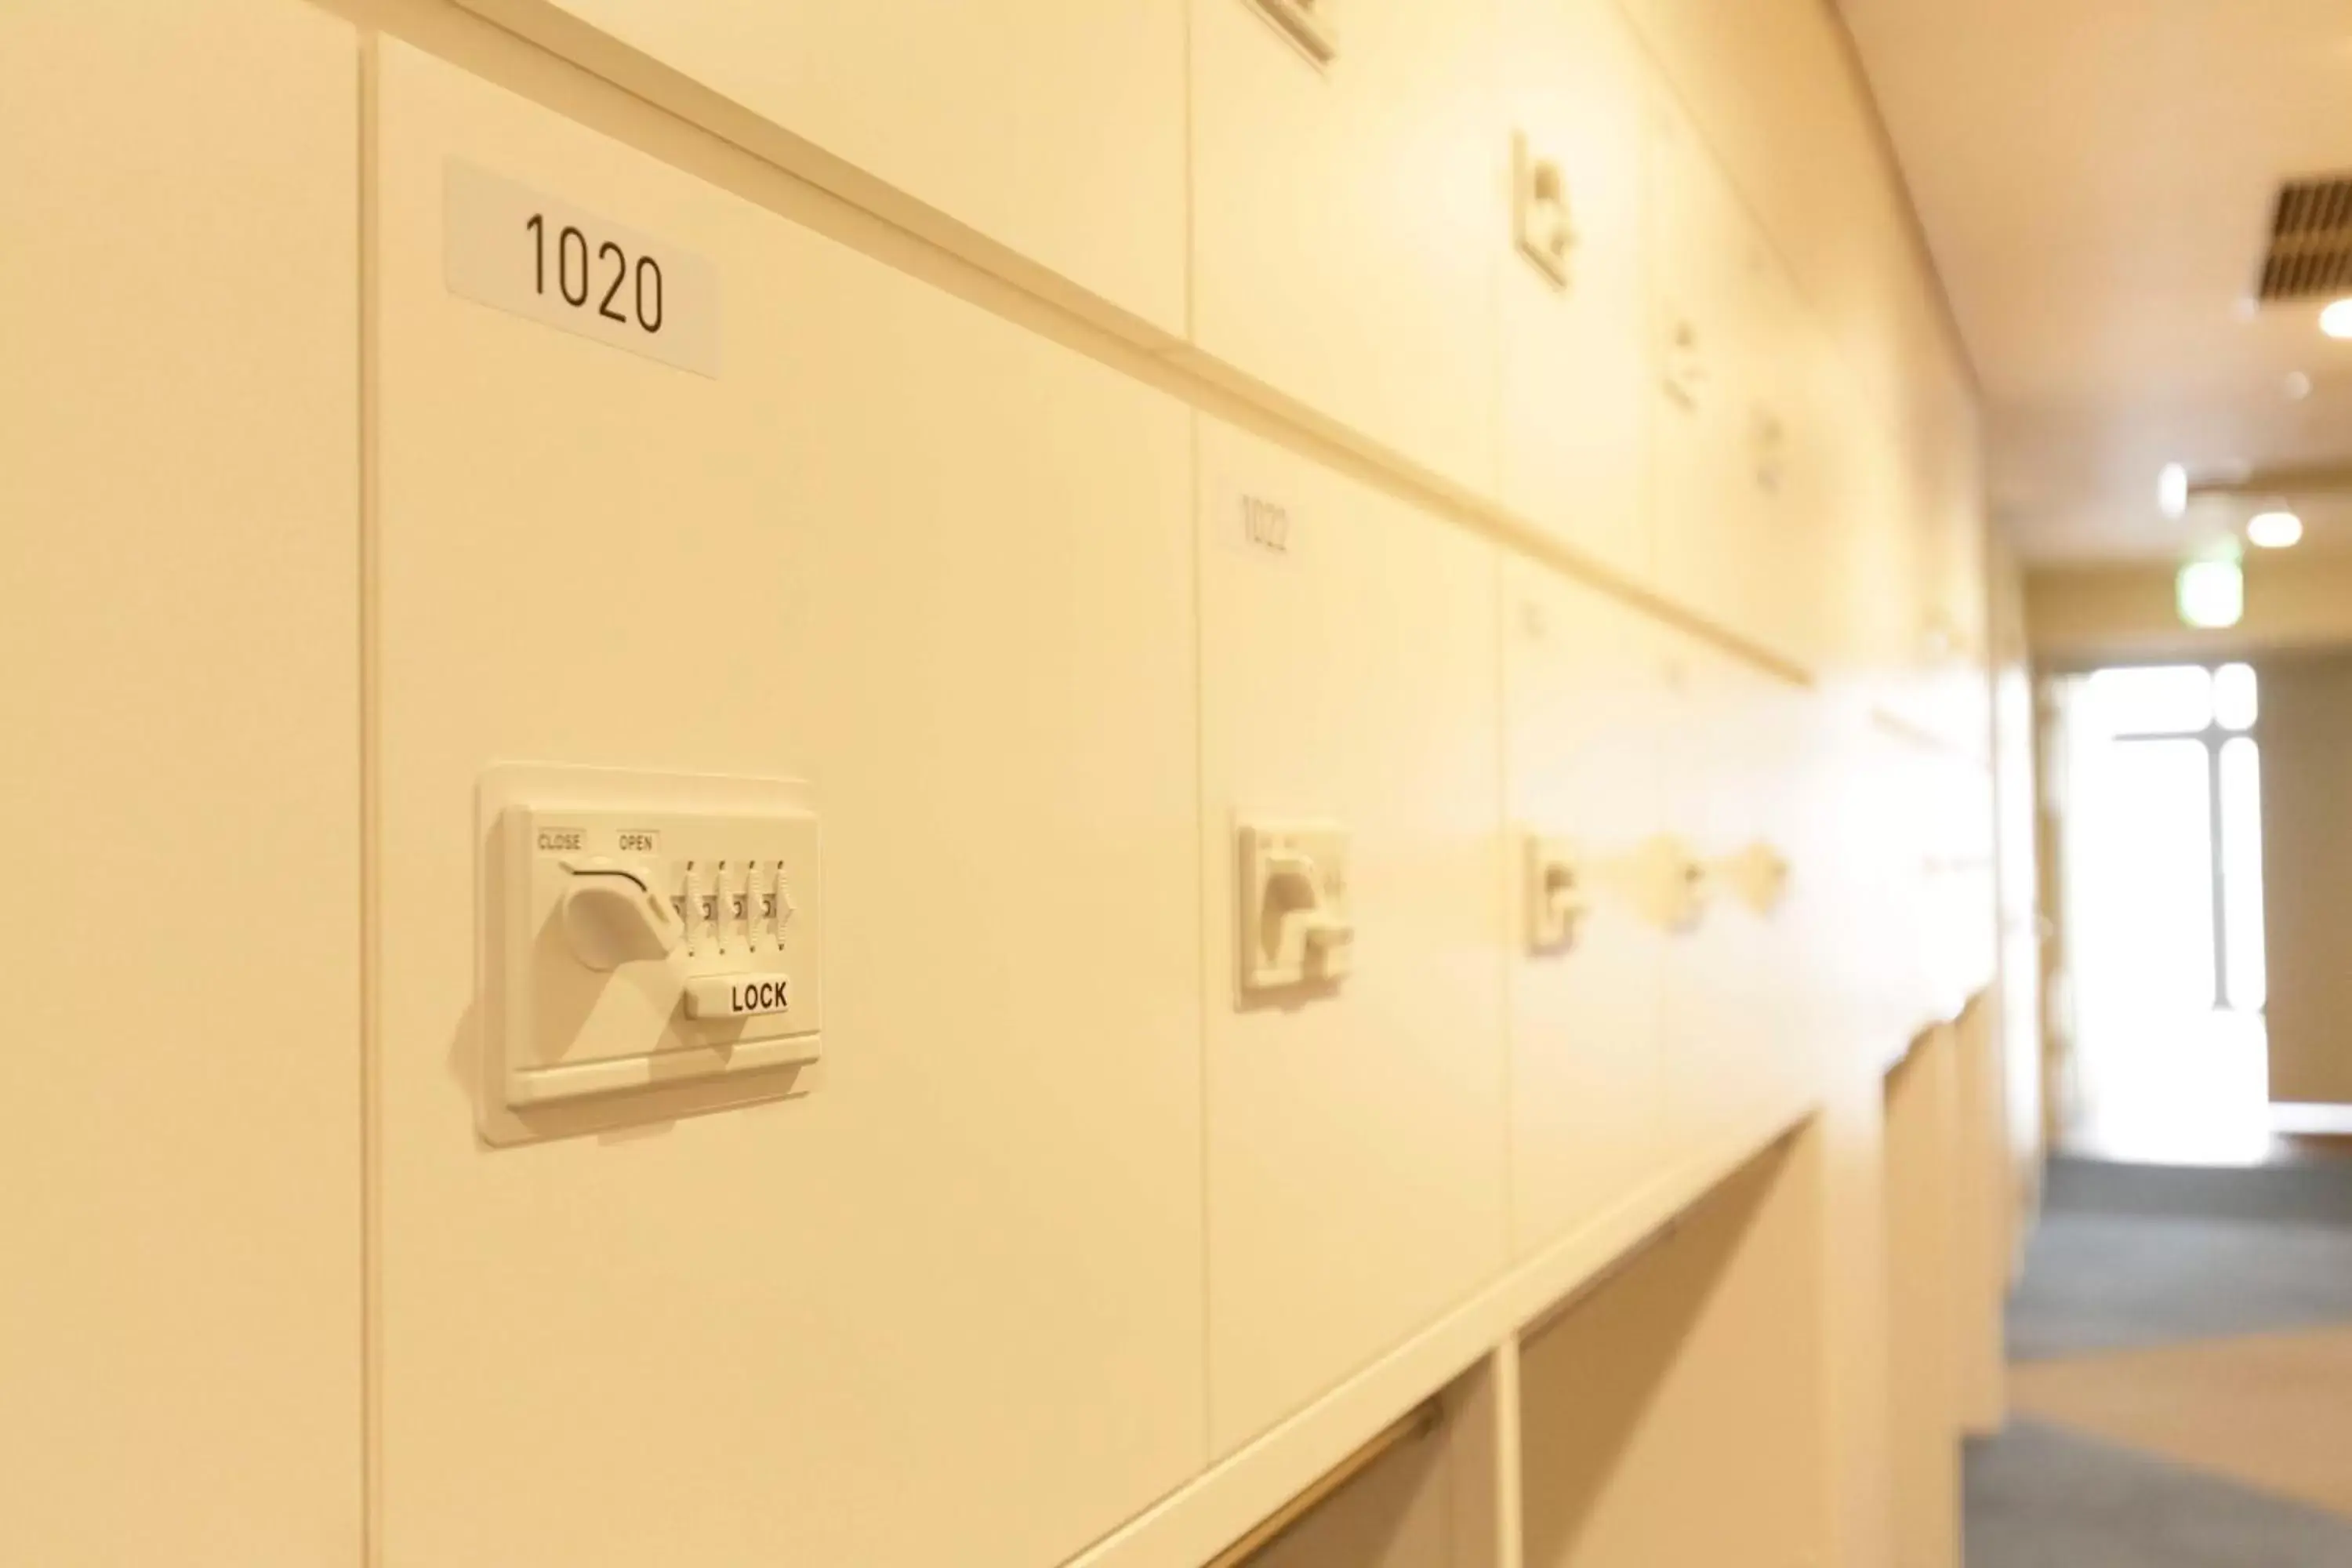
point(1026, 627)
point(1481, 236)
point(1060, 1224)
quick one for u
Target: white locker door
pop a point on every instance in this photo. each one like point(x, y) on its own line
point(1738, 517)
point(946, 1306)
point(1056, 130)
point(1699, 449)
point(1574, 435)
point(1779, 533)
point(1357, 1165)
point(1736, 1058)
point(179, 493)
point(1348, 217)
point(1582, 697)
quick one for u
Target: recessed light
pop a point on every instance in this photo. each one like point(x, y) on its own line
point(2172, 491)
point(2274, 529)
point(2337, 319)
point(2297, 386)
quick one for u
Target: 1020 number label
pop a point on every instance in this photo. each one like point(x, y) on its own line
point(632, 286)
point(535, 255)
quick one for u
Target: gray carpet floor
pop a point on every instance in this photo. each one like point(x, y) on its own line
point(2040, 1498)
point(2135, 1256)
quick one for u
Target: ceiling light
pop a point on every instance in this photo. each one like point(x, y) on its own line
point(2274, 529)
point(2172, 491)
point(2298, 386)
point(2337, 319)
point(2211, 594)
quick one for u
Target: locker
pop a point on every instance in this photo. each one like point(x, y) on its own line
point(1582, 766)
point(1797, 515)
point(1676, 1415)
point(179, 475)
point(1054, 130)
point(1348, 217)
point(1356, 1129)
point(1909, 996)
point(1961, 929)
point(1573, 445)
point(1737, 471)
point(945, 1302)
point(1738, 1057)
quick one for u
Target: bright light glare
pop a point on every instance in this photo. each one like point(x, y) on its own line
point(2337, 319)
point(2274, 529)
point(2212, 594)
point(2172, 491)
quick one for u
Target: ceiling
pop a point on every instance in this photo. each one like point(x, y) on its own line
point(2096, 178)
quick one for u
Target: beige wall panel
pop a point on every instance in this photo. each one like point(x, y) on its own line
point(1056, 129)
point(179, 481)
point(1348, 219)
point(1582, 760)
point(1676, 1417)
point(1356, 1163)
point(946, 1308)
point(1983, 1179)
point(2305, 735)
point(1924, 1279)
point(2079, 615)
point(1574, 358)
point(1854, 1311)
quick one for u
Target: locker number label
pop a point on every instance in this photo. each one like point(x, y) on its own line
point(1258, 520)
point(524, 252)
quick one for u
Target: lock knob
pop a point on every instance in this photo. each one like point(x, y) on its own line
point(612, 917)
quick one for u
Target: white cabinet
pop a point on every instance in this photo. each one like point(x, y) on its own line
point(1355, 1125)
point(945, 1303)
point(1575, 349)
point(1055, 129)
point(1583, 771)
point(180, 1373)
point(1348, 217)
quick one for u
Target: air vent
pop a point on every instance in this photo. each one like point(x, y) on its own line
point(2311, 240)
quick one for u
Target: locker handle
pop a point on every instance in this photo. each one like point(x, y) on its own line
point(1759, 874)
point(1320, 930)
point(1669, 883)
point(1559, 897)
point(1297, 919)
point(611, 916)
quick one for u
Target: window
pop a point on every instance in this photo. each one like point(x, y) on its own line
point(2175, 848)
